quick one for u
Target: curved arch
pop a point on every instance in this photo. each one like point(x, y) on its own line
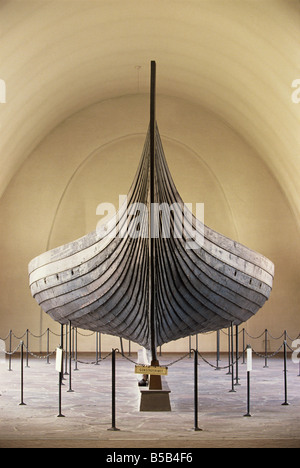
point(76, 171)
point(217, 56)
point(181, 144)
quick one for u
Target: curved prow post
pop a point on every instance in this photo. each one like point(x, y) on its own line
point(155, 380)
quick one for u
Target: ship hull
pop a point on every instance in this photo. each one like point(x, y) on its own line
point(101, 283)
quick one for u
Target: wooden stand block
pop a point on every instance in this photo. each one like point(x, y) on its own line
point(155, 400)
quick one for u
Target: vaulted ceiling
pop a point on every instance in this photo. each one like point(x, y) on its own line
point(237, 58)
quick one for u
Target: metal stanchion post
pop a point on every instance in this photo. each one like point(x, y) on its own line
point(244, 345)
point(76, 368)
point(237, 356)
point(22, 375)
point(27, 347)
point(229, 352)
point(249, 369)
point(285, 374)
point(73, 342)
point(266, 349)
point(66, 353)
point(113, 393)
point(232, 362)
point(121, 345)
point(196, 428)
point(100, 354)
point(62, 348)
point(218, 350)
point(48, 346)
point(59, 368)
point(9, 359)
point(97, 350)
point(70, 358)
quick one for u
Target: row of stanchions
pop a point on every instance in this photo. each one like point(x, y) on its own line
point(74, 331)
point(59, 368)
point(234, 380)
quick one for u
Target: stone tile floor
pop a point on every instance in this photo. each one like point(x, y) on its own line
point(88, 409)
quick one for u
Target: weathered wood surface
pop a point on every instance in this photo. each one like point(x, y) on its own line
point(102, 284)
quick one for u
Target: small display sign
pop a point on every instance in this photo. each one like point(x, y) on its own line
point(58, 364)
point(151, 370)
point(249, 359)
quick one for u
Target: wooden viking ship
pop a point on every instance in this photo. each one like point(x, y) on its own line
point(151, 288)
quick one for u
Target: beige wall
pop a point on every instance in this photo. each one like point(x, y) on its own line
point(92, 157)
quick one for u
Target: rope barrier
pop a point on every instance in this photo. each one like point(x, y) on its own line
point(19, 337)
point(254, 337)
point(89, 334)
point(224, 331)
point(265, 355)
point(292, 339)
point(113, 353)
point(128, 359)
point(93, 362)
point(276, 338)
point(227, 334)
point(53, 333)
point(218, 367)
point(11, 353)
point(177, 360)
point(38, 336)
